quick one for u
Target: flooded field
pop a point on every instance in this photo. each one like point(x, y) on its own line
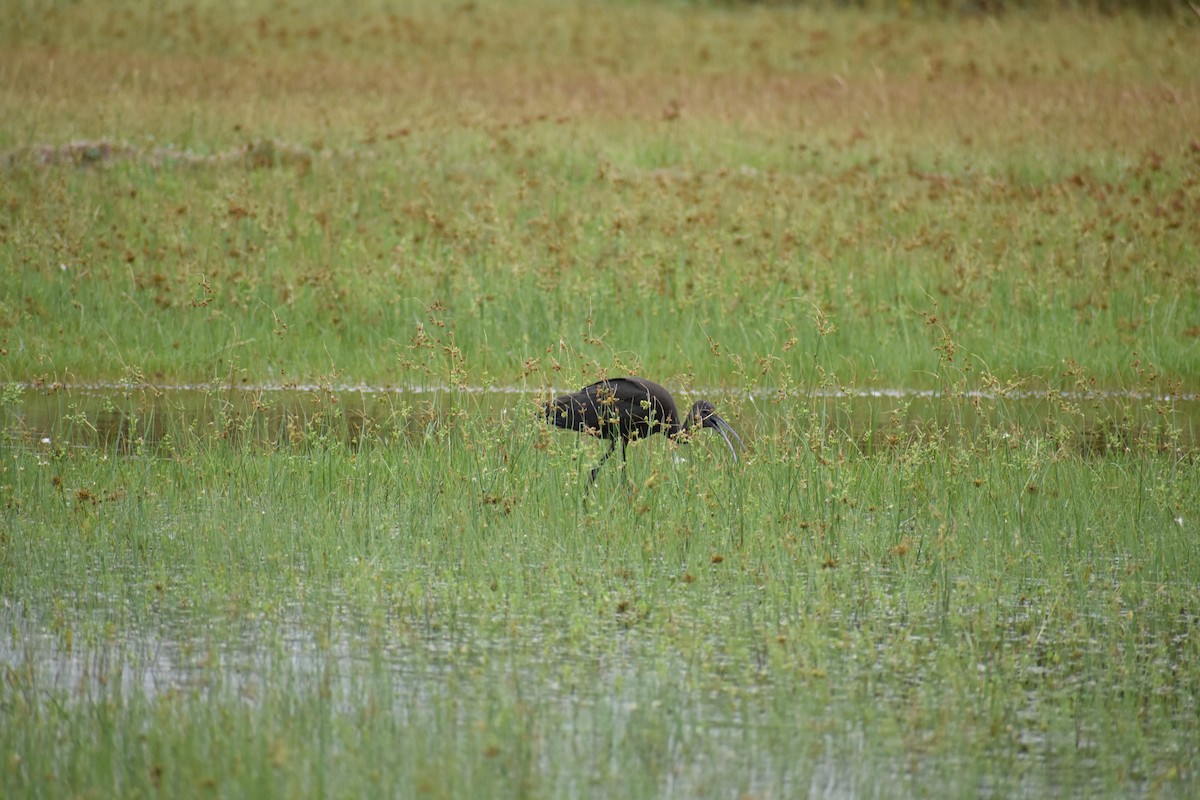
point(284, 295)
point(336, 590)
point(697, 715)
point(123, 418)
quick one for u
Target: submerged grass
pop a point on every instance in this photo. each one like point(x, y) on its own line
point(438, 612)
point(318, 592)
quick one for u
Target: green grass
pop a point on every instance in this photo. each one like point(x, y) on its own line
point(226, 574)
point(293, 204)
point(172, 273)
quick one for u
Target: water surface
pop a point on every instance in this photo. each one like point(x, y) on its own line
point(119, 417)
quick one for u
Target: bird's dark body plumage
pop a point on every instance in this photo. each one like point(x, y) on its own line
point(624, 409)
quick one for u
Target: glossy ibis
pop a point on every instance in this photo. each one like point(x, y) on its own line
point(629, 408)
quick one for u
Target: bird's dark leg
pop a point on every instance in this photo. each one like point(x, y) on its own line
point(624, 463)
point(611, 448)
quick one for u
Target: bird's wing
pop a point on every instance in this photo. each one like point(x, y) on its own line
point(646, 400)
point(624, 390)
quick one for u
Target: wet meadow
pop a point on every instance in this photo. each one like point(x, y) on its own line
point(285, 287)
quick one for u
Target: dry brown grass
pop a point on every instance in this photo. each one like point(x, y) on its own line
point(1060, 82)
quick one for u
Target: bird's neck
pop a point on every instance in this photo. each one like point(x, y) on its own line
point(678, 428)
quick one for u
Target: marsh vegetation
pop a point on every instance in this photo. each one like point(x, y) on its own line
point(284, 289)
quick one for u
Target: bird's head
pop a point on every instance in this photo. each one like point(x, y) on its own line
point(704, 415)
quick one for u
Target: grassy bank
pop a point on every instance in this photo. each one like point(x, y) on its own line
point(514, 192)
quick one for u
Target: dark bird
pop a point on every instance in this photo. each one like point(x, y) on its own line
point(632, 408)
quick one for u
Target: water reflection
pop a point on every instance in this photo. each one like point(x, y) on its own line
point(617, 684)
point(132, 420)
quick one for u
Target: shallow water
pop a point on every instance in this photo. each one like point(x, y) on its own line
point(712, 710)
point(123, 418)
point(740, 718)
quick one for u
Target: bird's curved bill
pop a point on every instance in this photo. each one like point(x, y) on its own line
point(722, 427)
